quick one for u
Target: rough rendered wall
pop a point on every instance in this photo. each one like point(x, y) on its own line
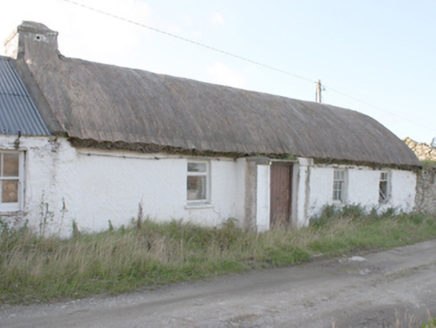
point(426, 191)
point(361, 188)
point(89, 186)
point(425, 188)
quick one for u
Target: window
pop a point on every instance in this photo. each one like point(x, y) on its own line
point(383, 189)
point(9, 180)
point(339, 185)
point(197, 182)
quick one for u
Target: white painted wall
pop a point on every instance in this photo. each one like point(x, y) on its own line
point(263, 197)
point(321, 184)
point(62, 184)
point(304, 191)
point(97, 186)
point(362, 185)
point(403, 189)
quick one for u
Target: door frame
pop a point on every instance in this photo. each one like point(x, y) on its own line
point(291, 164)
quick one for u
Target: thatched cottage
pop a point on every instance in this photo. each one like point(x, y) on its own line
point(89, 142)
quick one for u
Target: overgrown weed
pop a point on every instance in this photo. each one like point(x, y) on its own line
point(35, 268)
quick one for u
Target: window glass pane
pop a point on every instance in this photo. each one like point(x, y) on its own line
point(197, 167)
point(9, 191)
point(337, 190)
point(10, 165)
point(339, 175)
point(196, 188)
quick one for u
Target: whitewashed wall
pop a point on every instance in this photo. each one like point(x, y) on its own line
point(263, 198)
point(362, 185)
point(89, 186)
point(403, 190)
point(62, 184)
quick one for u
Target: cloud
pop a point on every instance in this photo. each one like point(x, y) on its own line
point(218, 20)
point(221, 74)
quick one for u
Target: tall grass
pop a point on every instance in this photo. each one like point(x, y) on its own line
point(38, 269)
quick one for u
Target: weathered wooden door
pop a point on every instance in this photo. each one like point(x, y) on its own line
point(281, 193)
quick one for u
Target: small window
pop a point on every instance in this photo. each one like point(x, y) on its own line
point(9, 180)
point(383, 190)
point(339, 185)
point(197, 182)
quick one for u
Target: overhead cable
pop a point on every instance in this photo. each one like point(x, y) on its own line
point(237, 57)
point(191, 41)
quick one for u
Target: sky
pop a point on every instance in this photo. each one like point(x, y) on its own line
point(377, 57)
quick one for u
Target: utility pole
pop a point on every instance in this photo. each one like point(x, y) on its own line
point(318, 91)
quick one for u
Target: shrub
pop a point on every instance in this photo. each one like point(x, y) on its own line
point(331, 213)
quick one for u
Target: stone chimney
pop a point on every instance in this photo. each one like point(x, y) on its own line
point(32, 35)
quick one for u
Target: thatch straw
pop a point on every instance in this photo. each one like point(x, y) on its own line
point(111, 104)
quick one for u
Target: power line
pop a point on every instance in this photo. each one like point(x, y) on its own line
point(318, 96)
point(191, 41)
point(378, 108)
point(321, 87)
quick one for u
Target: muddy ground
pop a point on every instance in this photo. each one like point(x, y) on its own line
point(371, 290)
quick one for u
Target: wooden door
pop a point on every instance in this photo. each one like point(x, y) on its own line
point(281, 193)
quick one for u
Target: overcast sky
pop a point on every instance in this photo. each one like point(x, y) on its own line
point(373, 56)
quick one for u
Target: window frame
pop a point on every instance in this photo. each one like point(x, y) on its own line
point(15, 206)
point(339, 194)
point(387, 181)
point(206, 174)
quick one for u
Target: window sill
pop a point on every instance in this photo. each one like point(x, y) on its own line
point(9, 208)
point(196, 206)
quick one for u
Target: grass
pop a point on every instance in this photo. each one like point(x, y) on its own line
point(431, 323)
point(428, 164)
point(38, 269)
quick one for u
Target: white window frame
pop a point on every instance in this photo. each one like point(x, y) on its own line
point(13, 207)
point(339, 193)
point(386, 178)
point(206, 174)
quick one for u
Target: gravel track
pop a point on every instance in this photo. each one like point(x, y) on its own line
point(375, 290)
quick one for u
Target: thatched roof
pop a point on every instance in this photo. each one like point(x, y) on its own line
point(110, 104)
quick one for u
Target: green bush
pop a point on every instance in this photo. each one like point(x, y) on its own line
point(331, 213)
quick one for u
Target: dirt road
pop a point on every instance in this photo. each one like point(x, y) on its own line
point(370, 291)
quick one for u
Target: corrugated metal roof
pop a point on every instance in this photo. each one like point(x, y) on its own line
point(18, 113)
